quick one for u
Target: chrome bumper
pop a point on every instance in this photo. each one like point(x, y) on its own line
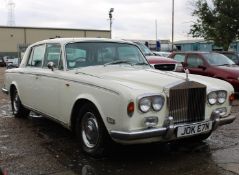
point(167, 132)
point(4, 90)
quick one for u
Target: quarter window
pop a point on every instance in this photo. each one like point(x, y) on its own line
point(37, 56)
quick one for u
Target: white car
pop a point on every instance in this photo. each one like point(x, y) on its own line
point(105, 90)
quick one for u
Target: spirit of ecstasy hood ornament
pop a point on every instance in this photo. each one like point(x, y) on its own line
point(187, 72)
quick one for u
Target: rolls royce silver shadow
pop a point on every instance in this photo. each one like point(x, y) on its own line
point(104, 90)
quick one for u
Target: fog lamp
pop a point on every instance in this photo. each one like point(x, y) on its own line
point(221, 111)
point(150, 121)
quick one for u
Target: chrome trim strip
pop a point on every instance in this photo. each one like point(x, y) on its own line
point(140, 134)
point(4, 90)
point(167, 132)
point(70, 80)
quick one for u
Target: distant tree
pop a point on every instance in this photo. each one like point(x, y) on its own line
point(216, 20)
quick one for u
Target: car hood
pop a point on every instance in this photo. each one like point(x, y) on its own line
point(160, 60)
point(139, 77)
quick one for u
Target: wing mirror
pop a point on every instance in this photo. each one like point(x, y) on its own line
point(51, 65)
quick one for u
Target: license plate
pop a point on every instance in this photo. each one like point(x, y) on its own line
point(194, 129)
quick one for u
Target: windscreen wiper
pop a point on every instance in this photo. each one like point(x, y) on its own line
point(142, 63)
point(224, 65)
point(118, 62)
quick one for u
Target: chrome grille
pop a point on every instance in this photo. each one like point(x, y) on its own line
point(165, 67)
point(187, 102)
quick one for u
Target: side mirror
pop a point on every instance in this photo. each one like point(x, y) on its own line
point(51, 65)
point(184, 64)
point(202, 67)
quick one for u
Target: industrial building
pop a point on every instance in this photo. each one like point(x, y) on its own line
point(14, 40)
point(203, 45)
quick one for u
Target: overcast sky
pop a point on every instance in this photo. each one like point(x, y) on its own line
point(132, 19)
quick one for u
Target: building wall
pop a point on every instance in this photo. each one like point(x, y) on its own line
point(195, 46)
point(13, 38)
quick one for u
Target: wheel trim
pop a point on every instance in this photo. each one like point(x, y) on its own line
point(89, 130)
point(16, 103)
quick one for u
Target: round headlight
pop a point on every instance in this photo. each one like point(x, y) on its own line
point(157, 103)
point(144, 104)
point(212, 98)
point(221, 97)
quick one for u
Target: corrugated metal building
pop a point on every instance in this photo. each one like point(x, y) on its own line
point(202, 45)
point(14, 40)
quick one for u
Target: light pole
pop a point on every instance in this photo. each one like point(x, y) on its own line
point(172, 23)
point(110, 16)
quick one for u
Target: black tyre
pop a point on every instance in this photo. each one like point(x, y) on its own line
point(17, 108)
point(91, 131)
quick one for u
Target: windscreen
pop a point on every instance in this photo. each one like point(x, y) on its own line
point(217, 59)
point(83, 54)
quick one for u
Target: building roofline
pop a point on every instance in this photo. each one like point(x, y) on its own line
point(52, 28)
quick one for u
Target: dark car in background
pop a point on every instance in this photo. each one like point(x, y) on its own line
point(2, 62)
point(209, 64)
point(159, 62)
point(231, 55)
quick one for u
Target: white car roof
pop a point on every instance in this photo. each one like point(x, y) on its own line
point(70, 40)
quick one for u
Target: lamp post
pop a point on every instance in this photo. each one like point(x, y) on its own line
point(110, 16)
point(172, 23)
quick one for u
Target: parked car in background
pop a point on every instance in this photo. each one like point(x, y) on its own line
point(231, 55)
point(2, 62)
point(11, 61)
point(160, 62)
point(162, 54)
point(105, 90)
point(210, 64)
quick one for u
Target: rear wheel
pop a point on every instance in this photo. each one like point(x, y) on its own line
point(91, 131)
point(17, 108)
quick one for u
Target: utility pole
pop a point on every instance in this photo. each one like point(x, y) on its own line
point(172, 23)
point(111, 16)
point(156, 29)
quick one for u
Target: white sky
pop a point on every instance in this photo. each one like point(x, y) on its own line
point(132, 19)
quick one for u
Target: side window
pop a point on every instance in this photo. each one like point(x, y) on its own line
point(194, 61)
point(37, 56)
point(53, 54)
point(179, 57)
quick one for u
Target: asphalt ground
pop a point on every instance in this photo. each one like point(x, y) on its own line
point(37, 145)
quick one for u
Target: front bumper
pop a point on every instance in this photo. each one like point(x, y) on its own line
point(168, 131)
point(4, 90)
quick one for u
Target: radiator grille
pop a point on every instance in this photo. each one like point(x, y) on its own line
point(187, 102)
point(165, 67)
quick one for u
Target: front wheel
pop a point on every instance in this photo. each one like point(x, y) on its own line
point(91, 131)
point(17, 108)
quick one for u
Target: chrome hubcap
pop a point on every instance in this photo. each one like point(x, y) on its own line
point(90, 130)
point(16, 103)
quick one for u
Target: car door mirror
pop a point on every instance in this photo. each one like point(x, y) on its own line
point(50, 65)
point(184, 64)
point(202, 67)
